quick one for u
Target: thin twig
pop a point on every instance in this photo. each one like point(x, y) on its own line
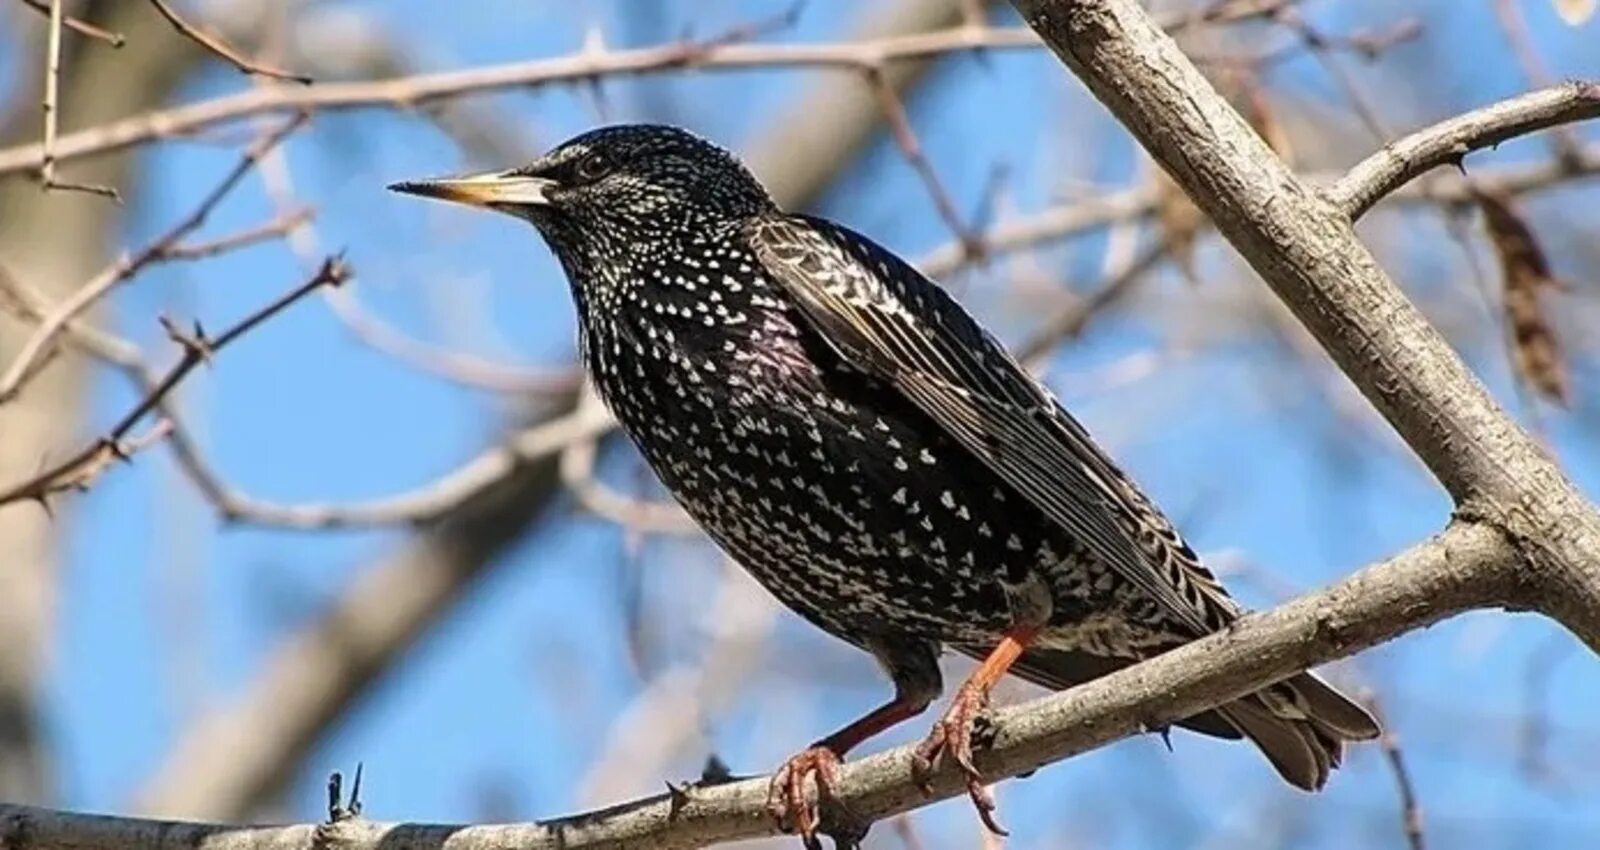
point(221, 48)
point(469, 370)
point(277, 228)
point(78, 25)
point(1564, 142)
point(1410, 809)
point(52, 108)
point(75, 472)
point(1450, 140)
point(1319, 46)
point(423, 504)
point(23, 367)
point(905, 138)
point(418, 89)
point(1071, 320)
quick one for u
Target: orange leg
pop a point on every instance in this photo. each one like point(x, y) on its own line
point(786, 796)
point(952, 735)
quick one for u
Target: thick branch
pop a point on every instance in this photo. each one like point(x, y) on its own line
point(1306, 249)
point(1434, 580)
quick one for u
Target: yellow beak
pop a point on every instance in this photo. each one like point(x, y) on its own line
point(482, 190)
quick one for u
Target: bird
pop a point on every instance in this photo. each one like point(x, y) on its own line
point(841, 427)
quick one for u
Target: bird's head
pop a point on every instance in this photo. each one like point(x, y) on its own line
point(631, 184)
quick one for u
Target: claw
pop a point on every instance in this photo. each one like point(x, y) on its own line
point(787, 802)
point(951, 737)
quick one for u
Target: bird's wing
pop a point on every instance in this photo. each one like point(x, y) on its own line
point(890, 321)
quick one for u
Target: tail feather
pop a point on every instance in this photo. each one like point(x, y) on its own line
point(1331, 709)
point(1301, 724)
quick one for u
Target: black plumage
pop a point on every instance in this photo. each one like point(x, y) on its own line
point(848, 433)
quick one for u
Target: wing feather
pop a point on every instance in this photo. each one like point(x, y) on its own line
point(886, 319)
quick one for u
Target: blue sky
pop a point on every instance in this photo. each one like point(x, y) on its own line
point(165, 613)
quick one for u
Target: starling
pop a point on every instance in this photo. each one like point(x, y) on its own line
point(848, 433)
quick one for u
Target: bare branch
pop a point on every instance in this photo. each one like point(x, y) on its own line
point(221, 48)
point(39, 343)
point(1534, 68)
point(1434, 580)
point(79, 26)
point(428, 503)
point(1410, 809)
point(277, 228)
point(419, 89)
point(466, 369)
point(416, 90)
point(78, 470)
point(905, 138)
point(1449, 141)
point(52, 108)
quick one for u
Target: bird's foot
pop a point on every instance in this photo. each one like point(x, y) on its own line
point(786, 796)
point(951, 737)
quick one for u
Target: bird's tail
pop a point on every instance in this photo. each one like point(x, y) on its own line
point(1301, 725)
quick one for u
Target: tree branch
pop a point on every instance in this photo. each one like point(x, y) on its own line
point(81, 27)
point(51, 105)
point(415, 90)
point(1306, 249)
point(1436, 579)
point(221, 48)
point(39, 342)
point(418, 89)
point(1450, 140)
point(78, 470)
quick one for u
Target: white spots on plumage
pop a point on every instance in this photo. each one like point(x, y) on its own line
point(699, 356)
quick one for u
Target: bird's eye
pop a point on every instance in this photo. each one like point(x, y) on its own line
point(592, 167)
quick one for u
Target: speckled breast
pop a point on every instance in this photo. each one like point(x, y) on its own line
point(844, 501)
